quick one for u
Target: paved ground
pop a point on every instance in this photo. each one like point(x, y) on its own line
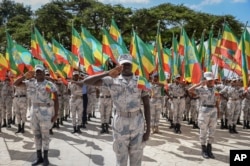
point(91, 148)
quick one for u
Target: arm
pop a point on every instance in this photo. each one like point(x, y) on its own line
point(146, 106)
point(27, 75)
point(191, 89)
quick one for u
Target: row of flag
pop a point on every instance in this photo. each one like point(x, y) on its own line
point(184, 57)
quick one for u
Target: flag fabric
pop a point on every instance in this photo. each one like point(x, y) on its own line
point(26, 57)
point(208, 55)
point(35, 51)
point(242, 53)
point(116, 35)
point(160, 58)
point(3, 72)
point(61, 56)
point(110, 47)
point(4, 63)
point(193, 71)
point(76, 46)
point(176, 66)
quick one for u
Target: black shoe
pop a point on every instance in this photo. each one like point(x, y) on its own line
point(106, 128)
point(238, 122)
point(51, 131)
point(22, 128)
point(226, 126)
point(222, 124)
point(78, 130)
point(248, 127)
point(204, 151)
point(177, 128)
point(39, 159)
point(9, 123)
point(13, 121)
point(45, 158)
point(4, 123)
point(244, 124)
point(61, 121)
point(103, 129)
point(234, 129)
point(209, 151)
point(84, 126)
point(19, 128)
point(74, 130)
point(230, 129)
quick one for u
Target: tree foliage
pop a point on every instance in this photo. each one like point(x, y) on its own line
point(55, 19)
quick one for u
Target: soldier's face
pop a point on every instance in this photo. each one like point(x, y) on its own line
point(75, 77)
point(127, 69)
point(210, 83)
point(40, 75)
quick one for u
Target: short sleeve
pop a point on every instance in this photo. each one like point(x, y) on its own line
point(53, 87)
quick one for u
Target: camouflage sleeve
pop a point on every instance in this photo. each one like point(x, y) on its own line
point(53, 87)
point(198, 90)
point(107, 81)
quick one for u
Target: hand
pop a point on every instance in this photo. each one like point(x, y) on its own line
point(146, 135)
point(29, 74)
point(115, 72)
point(54, 118)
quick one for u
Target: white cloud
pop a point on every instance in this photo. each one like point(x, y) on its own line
point(239, 1)
point(33, 3)
point(124, 1)
point(205, 3)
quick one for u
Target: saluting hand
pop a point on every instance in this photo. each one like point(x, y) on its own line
point(29, 74)
point(116, 71)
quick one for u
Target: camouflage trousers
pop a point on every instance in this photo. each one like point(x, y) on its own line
point(7, 108)
point(194, 109)
point(76, 109)
point(223, 109)
point(233, 108)
point(155, 111)
point(91, 103)
point(207, 122)
point(105, 106)
point(66, 105)
point(245, 107)
point(178, 105)
point(169, 111)
point(127, 137)
point(1, 112)
point(20, 109)
point(187, 112)
point(60, 109)
point(41, 124)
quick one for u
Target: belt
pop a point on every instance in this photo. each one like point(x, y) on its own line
point(105, 96)
point(178, 97)
point(128, 114)
point(75, 97)
point(233, 99)
point(59, 95)
point(194, 98)
point(209, 106)
point(20, 96)
point(41, 104)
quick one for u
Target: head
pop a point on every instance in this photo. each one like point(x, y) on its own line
point(209, 78)
point(126, 61)
point(177, 78)
point(40, 72)
point(75, 75)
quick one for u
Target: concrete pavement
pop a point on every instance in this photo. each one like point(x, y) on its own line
point(92, 148)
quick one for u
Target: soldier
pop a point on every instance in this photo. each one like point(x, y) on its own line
point(60, 86)
point(233, 105)
point(20, 106)
point(187, 112)
point(105, 106)
point(65, 102)
point(7, 94)
point(194, 109)
point(44, 110)
point(177, 89)
point(91, 92)
point(128, 122)
point(76, 103)
point(246, 108)
point(207, 119)
point(155, 103)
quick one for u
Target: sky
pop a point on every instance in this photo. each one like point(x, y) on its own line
point(237, 8)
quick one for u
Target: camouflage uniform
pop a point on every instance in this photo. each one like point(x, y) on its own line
point(128, 122)
point(42, 111)
point(105, 106)
point(1, 106)
point(207, 119)
point(7, 94)
point(178, 104)
point(76, 105)
point(187, 112)
point(194, 110)
point(91, 92)
point(155, 107)
point(233, 105)
point(65, 102)
point(246, 109)
point(20, 105)
point(60, 87)
point(30, 91)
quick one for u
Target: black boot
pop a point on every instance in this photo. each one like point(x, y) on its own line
point(74, 130)
point(106, 127)
point(209, 151)
point(185, 118)
point(89, 116)
point(103, 129)
point(57, 123)
point(79, 129)
point(190, 121)
point(45, 158)
point(66, 118)
point(238, 122)
point(204, 151)
point(110, 120)
point(51, 131)
point(39, 159)
point(22, 128)
point(13, 120)
point(94, 114)
point(234, 129)
point(222, 124)
point(9, 123)
point(244, 124)
point(83, 126)
point(248, 127)
point(19, 128)
point(195, 126)
point(178, 128)
point(226, 126)
point(230, 129)
point(4, 123)
point(0, 128)
point(61, 121)
point(54, 125)
point(171, 124)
